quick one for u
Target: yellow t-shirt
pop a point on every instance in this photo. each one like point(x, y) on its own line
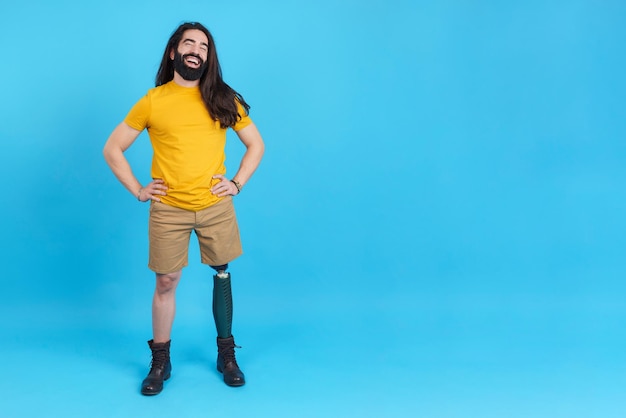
point(188, 144)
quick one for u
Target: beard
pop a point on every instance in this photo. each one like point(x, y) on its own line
point(186, 72)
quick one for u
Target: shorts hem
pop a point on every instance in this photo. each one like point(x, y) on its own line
point(220, 263)
point(155, 270)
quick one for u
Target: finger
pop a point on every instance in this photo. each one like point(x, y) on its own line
point(219, 176)
point(218, 188)
point(150, 192)
point(226, 192)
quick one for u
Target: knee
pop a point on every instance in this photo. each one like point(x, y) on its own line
point(167, 282)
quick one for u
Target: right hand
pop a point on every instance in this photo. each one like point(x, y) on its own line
point(152, 191)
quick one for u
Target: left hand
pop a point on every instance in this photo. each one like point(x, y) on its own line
point(224, 188)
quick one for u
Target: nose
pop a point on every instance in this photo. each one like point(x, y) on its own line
point(197, 49)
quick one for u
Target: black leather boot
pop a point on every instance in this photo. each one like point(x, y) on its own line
point(227, 364)
point(160, 368)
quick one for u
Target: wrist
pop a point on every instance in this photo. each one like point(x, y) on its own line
point(237, 185)
point(139, 194)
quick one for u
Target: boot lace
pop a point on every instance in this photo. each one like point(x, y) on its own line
point(159, 358)
point(228, 353)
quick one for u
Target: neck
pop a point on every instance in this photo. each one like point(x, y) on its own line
point(185, 83)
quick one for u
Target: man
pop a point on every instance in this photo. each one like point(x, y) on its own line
point(187, 116)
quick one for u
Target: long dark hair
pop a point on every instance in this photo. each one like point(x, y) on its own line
point(219, 98)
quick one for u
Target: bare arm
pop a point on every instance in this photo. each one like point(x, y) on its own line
point(255, 148)
point(120, 140)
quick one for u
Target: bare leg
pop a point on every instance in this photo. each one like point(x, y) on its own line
point(164, 305)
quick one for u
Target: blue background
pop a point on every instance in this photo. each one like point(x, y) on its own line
point(437, 228)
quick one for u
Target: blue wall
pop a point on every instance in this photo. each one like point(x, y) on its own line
point(450, 153)
point(446, 139)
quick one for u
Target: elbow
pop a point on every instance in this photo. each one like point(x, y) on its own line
point(110, 153)
point(255, 149)
point(260, 148)
point(106, 152)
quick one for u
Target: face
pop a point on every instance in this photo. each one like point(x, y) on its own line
point(190, 57)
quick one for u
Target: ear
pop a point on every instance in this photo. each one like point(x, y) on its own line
point(172, 54)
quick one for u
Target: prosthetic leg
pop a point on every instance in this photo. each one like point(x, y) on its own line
point(223, 315)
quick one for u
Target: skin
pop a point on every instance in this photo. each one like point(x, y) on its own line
point(123, 136)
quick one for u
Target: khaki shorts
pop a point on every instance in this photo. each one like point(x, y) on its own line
point(170, 229)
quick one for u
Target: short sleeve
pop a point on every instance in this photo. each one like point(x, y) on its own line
point(245, 119)
point(139, 115)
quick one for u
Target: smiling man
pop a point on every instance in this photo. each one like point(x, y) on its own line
point(187, 116)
